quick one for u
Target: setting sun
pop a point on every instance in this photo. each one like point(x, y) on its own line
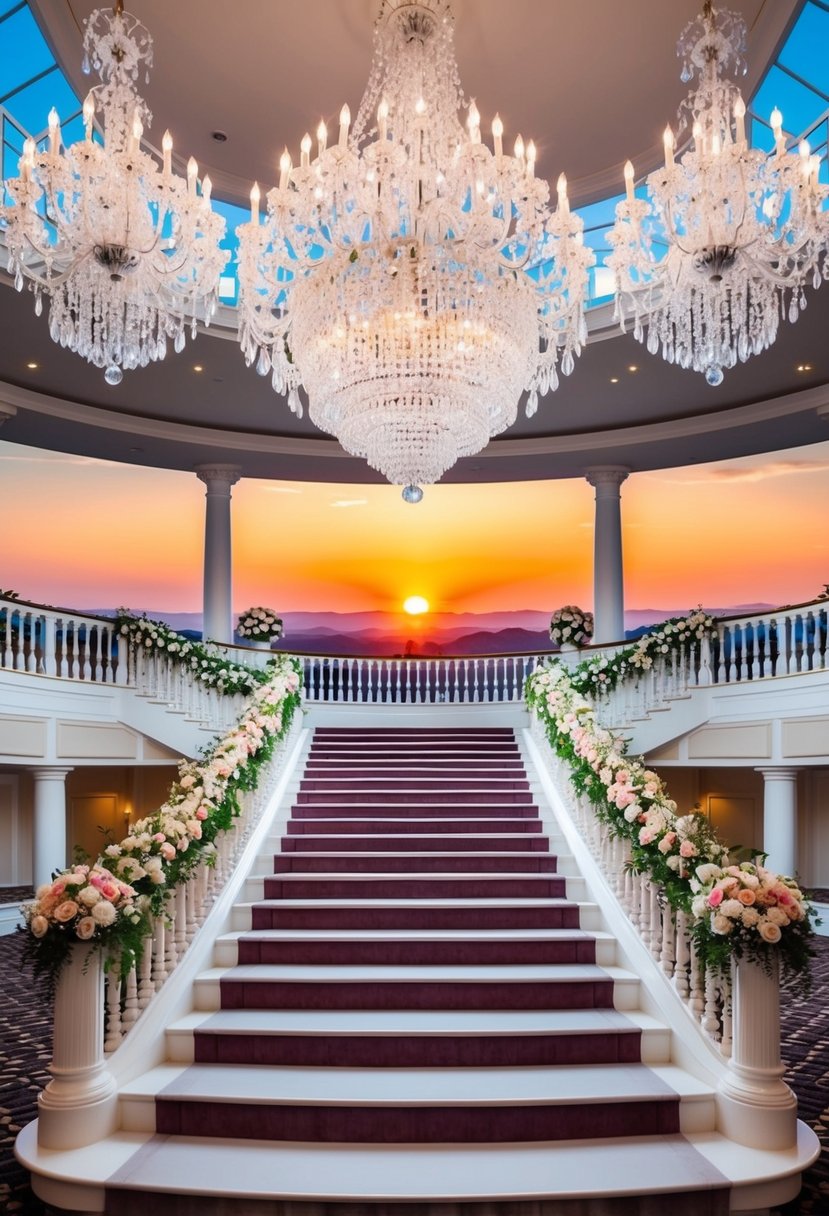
point(415, 605)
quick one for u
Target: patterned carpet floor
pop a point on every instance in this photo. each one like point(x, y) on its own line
point(25, 1048)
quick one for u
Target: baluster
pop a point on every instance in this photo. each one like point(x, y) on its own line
point(98, 671)
point(456, 680)
point(18, 662)
point(727, 1015)
point(696, 999)
point(87, 657)
point(405, 682)
point(768, 625)
point(824, 627)
point(114, 1034)
point(710, 1020)
point(8, 657)
point(131, 1007)
point(667, 957)
point(755, 651)
point(48, 642)
point(732, 667)
point(170, 952)
point(805, 663)
point(680, 976)
point(74, 650)
point(790, 647)
point(28, 629)
point(190, 892)
point(181, 919)
point(146, 988)
point(655, 919)
point(635, 891)
point(721, 672)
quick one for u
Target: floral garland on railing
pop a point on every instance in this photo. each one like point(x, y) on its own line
point(205, 661)
point(602, 672)
point(110, 903)
point(734, 909)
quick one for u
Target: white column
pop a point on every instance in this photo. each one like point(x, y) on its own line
point(49, 826)
point(608, 572)
point(754, 1104)
point(79, 1105)
point(218, 574)
point(780, 818)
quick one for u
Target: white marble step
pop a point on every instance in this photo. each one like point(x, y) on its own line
point(225, 951)
point(564, 1085)
point(655, 1036)
point(238, 1169)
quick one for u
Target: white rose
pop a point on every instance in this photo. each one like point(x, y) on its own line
point(721, 924)
point(104, 912)
point(732, 908)
point(89, 896)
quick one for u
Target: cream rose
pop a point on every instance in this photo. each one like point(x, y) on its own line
point(769, 932)
point(85, 928)
point(66, 911)
point(89, 896)
point(39, 926)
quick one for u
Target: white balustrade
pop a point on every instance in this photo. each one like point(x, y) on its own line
point(55, 642)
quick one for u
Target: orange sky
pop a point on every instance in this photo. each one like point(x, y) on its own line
point(91, 534)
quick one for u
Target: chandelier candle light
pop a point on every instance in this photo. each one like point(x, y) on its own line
point(126, 250)
point(410, 278)
point(744, 229)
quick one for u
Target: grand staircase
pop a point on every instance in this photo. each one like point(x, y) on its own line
point(417, 1012)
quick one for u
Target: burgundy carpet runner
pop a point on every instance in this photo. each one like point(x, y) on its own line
point(416, 947)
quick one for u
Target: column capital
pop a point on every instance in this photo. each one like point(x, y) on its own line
point(606, 477)
point(777, 772)
point(53, 772)
point(219, 478)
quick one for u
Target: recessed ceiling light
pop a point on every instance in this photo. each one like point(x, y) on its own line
point(614, 379)
point(33, 366)
point(219, 136)
point(801, 367)
point(197, 367)
point(633, 368)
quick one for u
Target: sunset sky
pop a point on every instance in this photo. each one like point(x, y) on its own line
point(90, 534)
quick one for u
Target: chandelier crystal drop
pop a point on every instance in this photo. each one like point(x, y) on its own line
point(126, 251)
point(411, 279)
point(744, 229)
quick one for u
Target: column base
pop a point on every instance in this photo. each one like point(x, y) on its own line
point(755, 1107)
point(77, 1107)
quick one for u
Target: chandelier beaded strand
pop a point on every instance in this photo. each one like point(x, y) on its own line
point(126, 252)
point(411, 279)
point(745, 230)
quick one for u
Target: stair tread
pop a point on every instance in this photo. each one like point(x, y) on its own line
point(419, 935)
point(524, 973)
point(516, 901)
point(559, 1085)
point(380, 1023)
point(254, 1169)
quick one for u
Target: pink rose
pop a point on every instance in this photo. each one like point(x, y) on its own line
point(160, 837)
point(109, 890)
point(715, 898)
point(201, 813)
point(687, 849)
point(168, 852)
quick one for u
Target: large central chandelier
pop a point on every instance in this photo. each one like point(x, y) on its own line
point(743, 229)
point(411, 279)
point(126, 251)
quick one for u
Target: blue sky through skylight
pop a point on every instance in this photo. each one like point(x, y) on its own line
point(31, 83)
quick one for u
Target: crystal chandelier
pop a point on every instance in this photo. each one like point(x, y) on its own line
point(126, 251)
point(412, 280)
point(743, 229)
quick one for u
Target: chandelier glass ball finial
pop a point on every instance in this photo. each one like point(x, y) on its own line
point(744, 230)
point(411, 279)
point(126, 251)
point(412, 494)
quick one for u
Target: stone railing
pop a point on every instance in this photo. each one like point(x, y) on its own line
point(466, 679)
point(782, 642)
point(738, 1011)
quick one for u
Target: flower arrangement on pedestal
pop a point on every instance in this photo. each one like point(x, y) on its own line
point(571, 626)
point(259, 625)
point(111, 902)
point(736, 910)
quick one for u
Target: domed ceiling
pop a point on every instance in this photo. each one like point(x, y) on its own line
point(592, 83)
